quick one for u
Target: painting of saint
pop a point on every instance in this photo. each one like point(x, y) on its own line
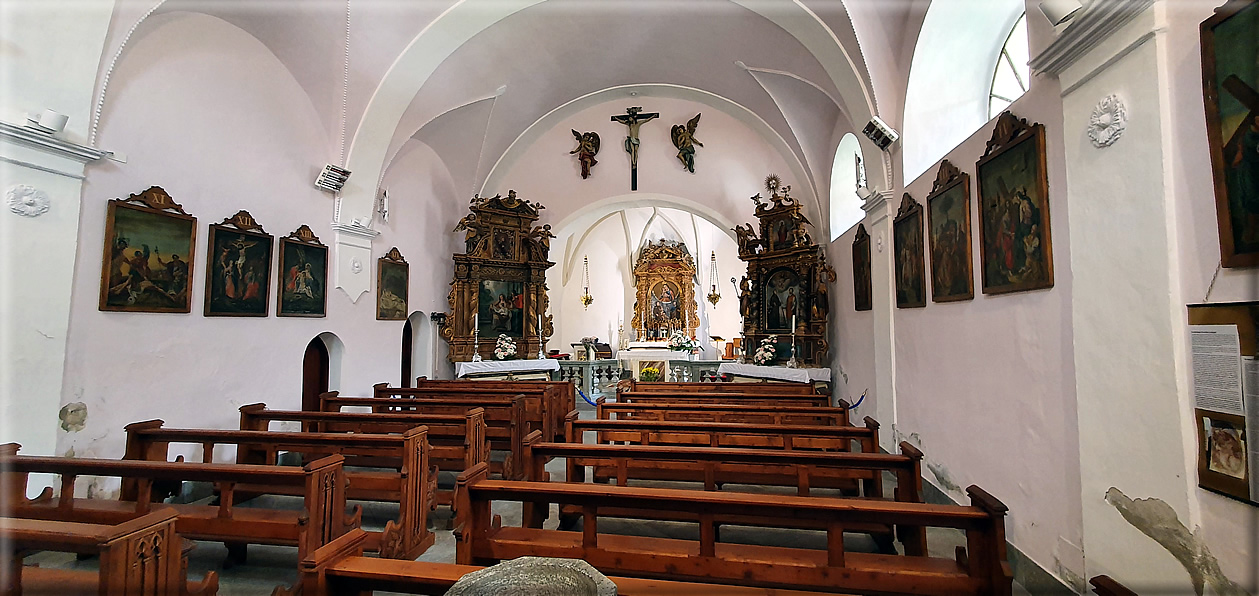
point(863, 286)
point(948, 218)
point(238, 276)
point(1015, 241)
point(504, 244)
point(500, 308)
point(147, 259)
point(784, 300)
point(665, 306)
point(908, 254)
point(392, 282)
point(1230, 69)
point(782, 229)
point(303, 279)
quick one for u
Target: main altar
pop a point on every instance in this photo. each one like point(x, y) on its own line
point(664, 292)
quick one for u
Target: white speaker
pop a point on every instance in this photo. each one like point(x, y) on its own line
point(332, 178)
point(878, 131)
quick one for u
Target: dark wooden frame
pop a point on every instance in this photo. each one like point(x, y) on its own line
point(157, 202)
point(909, 214)
point(1010, 132)
point(947, 179)
point(393, 258)
point(862, 287)
point(304, 237)
point(1219, 482)
point(242, 223)
point(1229, 257)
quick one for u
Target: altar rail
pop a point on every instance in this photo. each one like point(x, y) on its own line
point(594, 377)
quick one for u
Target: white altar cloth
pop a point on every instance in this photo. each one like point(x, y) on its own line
point(648, 345)
point(777, 373)
point(505, 366)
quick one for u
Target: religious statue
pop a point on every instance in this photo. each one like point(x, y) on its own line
point(476, 235)
point(587, 147)
point(537, 243)
point(822, 279)
point(745, 297)
point(748, 242)
point(634, 118)
point(683, 138)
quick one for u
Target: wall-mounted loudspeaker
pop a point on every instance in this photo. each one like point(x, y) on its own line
point(878, 131)
point(332, 178)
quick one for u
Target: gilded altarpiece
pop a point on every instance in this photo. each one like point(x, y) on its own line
point(664, 284)
point(788, 279)
point(500, 280)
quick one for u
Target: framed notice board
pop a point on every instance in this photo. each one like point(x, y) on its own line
point(1224, 349)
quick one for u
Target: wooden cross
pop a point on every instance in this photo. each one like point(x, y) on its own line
point(634, 118)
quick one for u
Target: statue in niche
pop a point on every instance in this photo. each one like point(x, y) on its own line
point(683, 138)
point(745, 297)
point(587, 147)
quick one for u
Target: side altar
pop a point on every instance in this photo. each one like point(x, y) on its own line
point(499, 285)
point(786, 290)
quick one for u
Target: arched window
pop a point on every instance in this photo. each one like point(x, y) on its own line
point(847, 173)
point(1012, 75)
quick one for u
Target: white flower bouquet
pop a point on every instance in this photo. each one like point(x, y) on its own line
point(504, 348)
point(679, 342)
point(767, 352)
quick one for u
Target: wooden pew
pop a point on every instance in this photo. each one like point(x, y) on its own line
point(725, 434)
point(321, 484)
point(673, 387)
point(456, 442)
point(723, 397)
point(714, 467)
point(138, 557)
point(979, 568)
point(413, 485)
point(1103, 585)
point(339, 569)
point(506, 421)
point(554, 399)
point(713, 412)
point(567, 391)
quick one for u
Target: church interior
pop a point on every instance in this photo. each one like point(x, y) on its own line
point(712, 297)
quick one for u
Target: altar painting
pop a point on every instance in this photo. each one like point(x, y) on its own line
point(500, 308)
point(783, 294)
point(665, 298)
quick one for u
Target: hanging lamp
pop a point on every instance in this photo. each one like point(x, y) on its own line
point(586, 298)
point(713, 294)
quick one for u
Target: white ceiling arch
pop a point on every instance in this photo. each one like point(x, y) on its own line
point(495, 178)
point(466, 18)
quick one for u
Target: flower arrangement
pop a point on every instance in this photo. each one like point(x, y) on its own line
point(767, 352)
point(679, 342)
point(649, 374)
point(504, 348)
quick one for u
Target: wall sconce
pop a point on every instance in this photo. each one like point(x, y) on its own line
point(586, 298)
point(713, 294)
point(383, 207)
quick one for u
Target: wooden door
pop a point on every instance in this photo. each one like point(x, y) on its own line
point(314, 374)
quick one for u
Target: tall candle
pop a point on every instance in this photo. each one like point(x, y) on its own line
point(793, 323)
point(474, 318)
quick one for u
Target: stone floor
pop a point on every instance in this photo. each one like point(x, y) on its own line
point(271, 566)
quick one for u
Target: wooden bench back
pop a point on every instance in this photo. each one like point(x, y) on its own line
point(555, 399)
point(725, 434)
point(980, 569)
point(140, 557)
point(148, 440)
point(1103, 585)
point(674, 387)
point(717, 412)
point(465, 434)
point(723, 397)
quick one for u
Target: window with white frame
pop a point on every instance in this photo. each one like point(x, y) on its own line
point(1011, 78)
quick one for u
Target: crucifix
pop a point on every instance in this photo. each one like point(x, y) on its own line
point(634, 118)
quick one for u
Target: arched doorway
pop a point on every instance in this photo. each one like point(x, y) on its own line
point(417, 348)
point(315, 365)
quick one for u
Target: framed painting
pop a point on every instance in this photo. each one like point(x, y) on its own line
point(948, 235)
point(303, 285)
point(911, 282)
point(784, 297)
point(863, 286)
point(392, 278)
point(238, 274)
point(149, 243)
point(1015, 244)
point(500, 308)
point(1230, 82)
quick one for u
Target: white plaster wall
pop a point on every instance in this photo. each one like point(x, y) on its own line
point(205, 111)
point(984, 386)
point(37, 255)
point(852, 333)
